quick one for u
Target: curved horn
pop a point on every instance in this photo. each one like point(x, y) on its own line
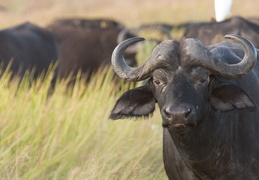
point(228, 71)
point(123, 70)
point(126, 34)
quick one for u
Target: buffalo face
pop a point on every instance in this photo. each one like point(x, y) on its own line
point(185, 97)
point(181, 95)
point(184, 83)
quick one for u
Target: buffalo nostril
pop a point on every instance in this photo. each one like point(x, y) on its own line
point(178, 115)
point(181, 112)
point(167, 113)
point(188, 112)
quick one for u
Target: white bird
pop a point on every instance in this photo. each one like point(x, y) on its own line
point(222, 9)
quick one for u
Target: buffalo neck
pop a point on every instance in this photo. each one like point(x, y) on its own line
point(216, 142)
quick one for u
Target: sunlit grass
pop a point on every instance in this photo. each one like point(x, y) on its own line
point(67, 135)
point(145, 51)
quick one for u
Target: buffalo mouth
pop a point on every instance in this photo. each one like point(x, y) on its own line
point(178, 128)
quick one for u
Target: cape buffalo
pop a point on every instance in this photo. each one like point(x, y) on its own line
point(27, 47)
point(86, 50)
point(102, 23)
point(213, 32)
point(88, 23)
point(254, 19)
point(208, 98)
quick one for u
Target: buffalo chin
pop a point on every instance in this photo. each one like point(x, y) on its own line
point(178, 128)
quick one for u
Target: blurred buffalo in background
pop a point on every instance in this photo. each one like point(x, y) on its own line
point(27, 47)
point(254, 19)
point(86, 45)
point(88, 23)
point(214, 32)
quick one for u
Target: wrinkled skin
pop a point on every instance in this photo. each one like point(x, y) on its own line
point(210, 124)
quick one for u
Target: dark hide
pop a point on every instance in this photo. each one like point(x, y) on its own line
point(88, 23)
point(254, 19)
point(211, 125)
point(214, 32)
point(27, 47)
point(86, 50)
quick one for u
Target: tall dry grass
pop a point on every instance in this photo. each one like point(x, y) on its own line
point(67, 135)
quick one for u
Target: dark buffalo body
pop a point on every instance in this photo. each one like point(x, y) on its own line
point(87, 49)
point(209, 108)
point(213, 32)
point(254, 19)
point(88, 23)
point(27, 47)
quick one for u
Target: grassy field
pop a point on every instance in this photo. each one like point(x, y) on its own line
point(68, 135)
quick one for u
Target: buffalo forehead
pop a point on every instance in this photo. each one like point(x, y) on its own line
point(167, 51)
point(176, 58)
point(195, 50)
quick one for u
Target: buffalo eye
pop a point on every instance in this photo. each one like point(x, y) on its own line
point(202, 81)
point(157, 82)
point(160, 85)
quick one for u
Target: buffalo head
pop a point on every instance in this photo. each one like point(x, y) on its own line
point(184, 81)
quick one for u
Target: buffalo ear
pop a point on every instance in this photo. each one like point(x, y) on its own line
point(228, 97)
point(137, 102)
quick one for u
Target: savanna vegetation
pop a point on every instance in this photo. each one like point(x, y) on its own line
point(66, 133)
